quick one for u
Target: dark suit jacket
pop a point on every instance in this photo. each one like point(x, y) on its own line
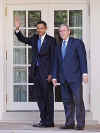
point(74, 63)
point(46, 55)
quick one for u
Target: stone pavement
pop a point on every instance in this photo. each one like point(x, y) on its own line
point(27, 128)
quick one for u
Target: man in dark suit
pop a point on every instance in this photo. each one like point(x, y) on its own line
point(43, 50)
point(71, 63)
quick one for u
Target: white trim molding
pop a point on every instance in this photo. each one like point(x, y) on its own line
point(95, 58)
point(13, 2)
point(1, 58)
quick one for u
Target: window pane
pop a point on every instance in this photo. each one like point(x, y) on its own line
point(77, 33)
point(20, 93)
point(33, 18)
point(15, 40)
point(20, 75)
point(21, 16)
point(60, 17)
point(31, 32)
point(75, 18)
point(19, 55)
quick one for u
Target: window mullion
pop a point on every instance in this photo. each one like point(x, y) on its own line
point(68, 17)
point(27, 50)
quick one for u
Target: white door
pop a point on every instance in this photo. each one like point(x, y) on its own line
point(20, 92)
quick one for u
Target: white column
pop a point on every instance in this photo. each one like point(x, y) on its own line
point(1, 57)
point(95, 57)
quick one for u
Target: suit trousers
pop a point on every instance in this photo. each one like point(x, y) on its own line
point(73, 102)
point(45, 98)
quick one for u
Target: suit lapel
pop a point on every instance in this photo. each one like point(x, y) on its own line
point(68, 47)
point(60, 52)
point(36, 42)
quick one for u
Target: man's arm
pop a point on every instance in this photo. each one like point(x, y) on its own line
point(26, 40)
point(52, 51)
point(19, 34)
point(83, 60)
point(51, 57)
point(54, 69)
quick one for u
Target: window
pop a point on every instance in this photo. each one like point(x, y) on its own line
point(73, 18)
point(22, 56)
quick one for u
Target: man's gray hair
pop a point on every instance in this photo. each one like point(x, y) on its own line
point(65, 26)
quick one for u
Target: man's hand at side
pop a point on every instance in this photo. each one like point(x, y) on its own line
point(85, 78)
point(49, 78)
point(54, 81)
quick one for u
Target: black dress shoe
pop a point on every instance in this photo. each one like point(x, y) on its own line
point(79, 128)
point(39, 125)
point(68, 127)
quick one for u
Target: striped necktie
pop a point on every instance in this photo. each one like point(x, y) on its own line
point(63, 49)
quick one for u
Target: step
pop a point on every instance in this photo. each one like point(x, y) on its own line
point(33, 117)
point(10, 127)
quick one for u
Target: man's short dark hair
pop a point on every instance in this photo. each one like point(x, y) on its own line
point(42, 22)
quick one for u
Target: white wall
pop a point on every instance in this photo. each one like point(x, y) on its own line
point(95, 58)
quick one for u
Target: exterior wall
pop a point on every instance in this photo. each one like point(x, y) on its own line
point(45, 1)
point(1, 58)
point(95, 58)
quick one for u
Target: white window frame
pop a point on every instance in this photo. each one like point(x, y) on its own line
point(47, 14)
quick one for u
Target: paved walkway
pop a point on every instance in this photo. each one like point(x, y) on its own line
point(27, 128)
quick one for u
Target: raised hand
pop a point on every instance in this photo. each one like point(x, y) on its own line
point(17, 23)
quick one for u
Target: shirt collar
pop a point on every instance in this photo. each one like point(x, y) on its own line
point(42, 37)
point(66, 40)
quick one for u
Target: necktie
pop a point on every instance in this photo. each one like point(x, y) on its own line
point(39, 44)
point(63, 48)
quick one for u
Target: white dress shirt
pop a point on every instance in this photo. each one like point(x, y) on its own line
point(42, 38)
point(65, 41)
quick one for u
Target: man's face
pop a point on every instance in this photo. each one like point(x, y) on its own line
point(41, 29)
point(64, 32)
